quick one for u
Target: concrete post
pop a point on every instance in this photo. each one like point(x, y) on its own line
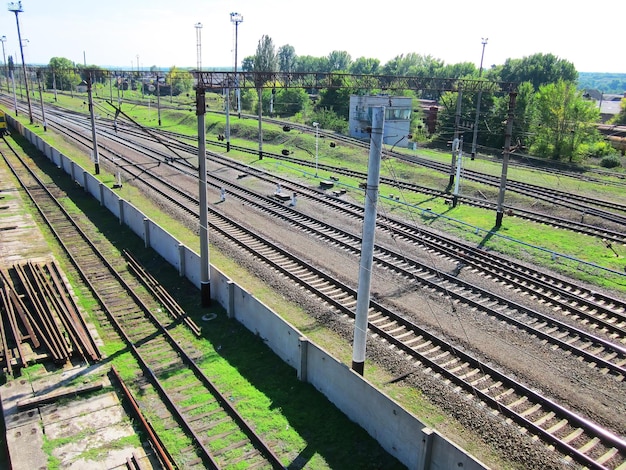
point(425, 449)
point(205, 275)
point(230, 308)
point(120, 204)
point(367, 244)
point(304, 351)
point(181, 260)
point(146, 232)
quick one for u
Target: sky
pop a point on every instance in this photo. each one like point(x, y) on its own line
point(145, 33)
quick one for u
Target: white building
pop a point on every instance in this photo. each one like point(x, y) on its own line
point(397, 117)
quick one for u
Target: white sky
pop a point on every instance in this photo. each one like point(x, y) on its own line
point(163, 33)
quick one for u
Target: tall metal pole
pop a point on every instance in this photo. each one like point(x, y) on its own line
point(260, 92)
point(96, 158)
point(317, 135)
point(17, 8)
point(237, 18)
point(457, 149)
point(4, 58)
point(367, 244)
point(505, 159)
point(43, 114)
point(478, 100)
point(11, 70)
point(457, 125)
point(205, 279)
point(158, 90)
point(54, 84)
point(227, 112)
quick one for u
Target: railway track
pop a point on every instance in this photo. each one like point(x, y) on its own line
point(221, 437)
point(594, 312)
point(602, 232)
point(605, 314)
point(587, 208)
point(573, 435)
point(595, 455)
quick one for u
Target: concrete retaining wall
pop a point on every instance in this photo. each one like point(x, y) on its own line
point(399, 432)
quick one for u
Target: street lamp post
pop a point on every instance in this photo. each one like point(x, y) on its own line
point(317, 135)
point(16, 7)
point(478, 100)
point(4, 58)
point(237, 18)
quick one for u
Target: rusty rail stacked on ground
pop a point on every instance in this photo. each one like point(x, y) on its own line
point(168, 302)
point(39, 318)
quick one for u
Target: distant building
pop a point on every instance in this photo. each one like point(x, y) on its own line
point(609, 104)
point(82, 87)
point(397, 117)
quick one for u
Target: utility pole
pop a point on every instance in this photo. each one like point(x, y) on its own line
point(457, 125)
point(205, 268)
point(367, 244)
point(16, 7)
point(505, 159)
point(457, 149)
point(43, 114)
point(478, 100)
point(158, 90)
point(4, 58)
point(11, 71)
point(96, 158)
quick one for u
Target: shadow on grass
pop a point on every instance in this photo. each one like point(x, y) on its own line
point(329, 436)
point(490, 234)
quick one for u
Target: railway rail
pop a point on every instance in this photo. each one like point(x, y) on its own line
point(164, 362)
point(573, 435)
point(594, 455)
point(601, 231)
point(609, 215)
point(604, 313)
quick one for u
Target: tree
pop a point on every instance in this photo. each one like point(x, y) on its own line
point(413, 64)
point(287, 58)
point(181, 81)
point(563, 122)
point(336, 98)
point(620, 118)
point(64, 73)
point(265, 59)
point(539, 69)
point(339, 60)
point(308, 63)
point(365, 66)
point(247, 64)
point(289, 101)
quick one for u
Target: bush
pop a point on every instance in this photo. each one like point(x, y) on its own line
point(612, 161)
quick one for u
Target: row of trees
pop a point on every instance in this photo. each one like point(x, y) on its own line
point(65, 75)
point(552, 117)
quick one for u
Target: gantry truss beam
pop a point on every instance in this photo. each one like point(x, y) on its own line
point(313, 80)
point(210, 81)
